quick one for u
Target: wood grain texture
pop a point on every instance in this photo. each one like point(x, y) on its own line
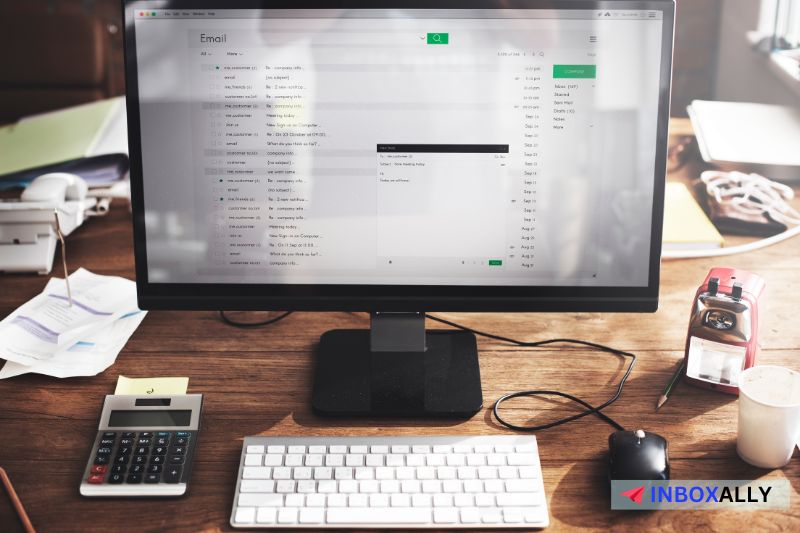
point(258, 382)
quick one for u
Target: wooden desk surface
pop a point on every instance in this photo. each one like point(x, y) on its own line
point(258, 382)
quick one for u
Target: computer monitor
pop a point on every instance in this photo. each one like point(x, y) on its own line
point(398, 158)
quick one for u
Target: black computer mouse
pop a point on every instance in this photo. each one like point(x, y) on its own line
point(637, 455)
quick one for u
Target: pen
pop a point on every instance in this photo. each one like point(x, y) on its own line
point(671, 385)
point(63, 256)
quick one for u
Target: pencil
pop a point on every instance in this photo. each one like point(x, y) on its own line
point(671, 385)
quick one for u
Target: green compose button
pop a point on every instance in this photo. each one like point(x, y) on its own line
point(438, 38)
point(495, 262)
point(574, 71)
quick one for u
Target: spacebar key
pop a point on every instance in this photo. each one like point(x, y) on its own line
point(376, 515)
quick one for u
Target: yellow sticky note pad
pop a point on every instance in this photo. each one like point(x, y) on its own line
point(149, 386)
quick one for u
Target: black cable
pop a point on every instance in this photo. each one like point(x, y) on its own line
point(496, 408)
point(248, 325)
point(589, 408)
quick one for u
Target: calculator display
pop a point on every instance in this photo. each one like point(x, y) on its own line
point(150, 417)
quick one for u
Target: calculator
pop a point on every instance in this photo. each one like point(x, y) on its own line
point(144, 446)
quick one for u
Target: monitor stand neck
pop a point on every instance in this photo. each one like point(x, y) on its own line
point(397, 369)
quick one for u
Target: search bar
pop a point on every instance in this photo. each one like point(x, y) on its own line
point(438, 38)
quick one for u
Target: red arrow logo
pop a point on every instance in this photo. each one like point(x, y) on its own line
point(635, 495)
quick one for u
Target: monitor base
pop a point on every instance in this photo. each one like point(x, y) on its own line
point(351, 380)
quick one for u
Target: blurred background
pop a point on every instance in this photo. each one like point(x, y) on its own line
point(67, 52)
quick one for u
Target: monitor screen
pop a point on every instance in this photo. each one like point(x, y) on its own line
point(400, 147)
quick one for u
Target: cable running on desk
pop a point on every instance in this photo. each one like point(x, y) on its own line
point(590, 409)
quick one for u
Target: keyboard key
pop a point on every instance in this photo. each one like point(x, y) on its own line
point(260, 500)
point(422, 500)
point(141, 459)
point(146, 434)
point(315, 500)
point(387, 515)
point(293, 459)
point(137, 469)
point(124, 450)
point(159, 450)
point(338, 449)
point(245, 515)
point(142, 450)
point(118, 469)
point(302, 472)
point(157, 459)
point(337, 500)
point(281, 472)
point(276, 449)
point(380, 449)
point(314, 459)
point(107, 442)
point(128, 434)
point(512, 515)
point(470, 515)
point(520, 485)
point(266, 515)
point(400, 500)
point(178, 450)
point(326, 487)
point(256, 472)
point(175, 459)
point(374, 460)
point(252, 460)
point(285, 487)
point(445, 516)
point(142, 442)
point(521, 459)
point(180, 441)
point(109, 434)
point(294, 500)
point(182, 434)
point(126, 441)
point(101, 460)
point(358, 500)
point(173, 474)
point(317, 449)
point(306, 486)
point(99, 469)
point(311, 516)
point(96, 479)
point(287, 515)
point(359, 449)
point(272, 460)
point(256, 485)
point(133, 478)
point(297, 449)
point(116, 479)
point(399, 448)
point(154, 469)
point(162, 434)
point(516, 499)
point(152, 478)
point(104, 450)
point(354, 460)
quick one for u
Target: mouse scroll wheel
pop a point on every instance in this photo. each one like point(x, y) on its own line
point(639, 434)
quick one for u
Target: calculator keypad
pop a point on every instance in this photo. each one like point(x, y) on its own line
point(133, 457)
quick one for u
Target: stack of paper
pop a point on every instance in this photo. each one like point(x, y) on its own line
point(49, 336)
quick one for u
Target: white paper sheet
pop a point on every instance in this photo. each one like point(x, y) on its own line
point(82, 339)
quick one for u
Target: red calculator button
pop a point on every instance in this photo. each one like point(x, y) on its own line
point(99, 469)
point(96, 478)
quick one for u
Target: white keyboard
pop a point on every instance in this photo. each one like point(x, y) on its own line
point(441, 482)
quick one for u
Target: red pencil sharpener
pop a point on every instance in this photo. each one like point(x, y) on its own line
point(723, 329)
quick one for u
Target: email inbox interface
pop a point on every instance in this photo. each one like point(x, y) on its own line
point(398, 147)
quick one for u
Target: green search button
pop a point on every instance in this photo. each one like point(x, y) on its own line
point(574, 71)
point(495, 262)
point(438, 38)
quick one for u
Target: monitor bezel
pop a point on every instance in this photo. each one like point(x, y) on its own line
point(327, 297)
